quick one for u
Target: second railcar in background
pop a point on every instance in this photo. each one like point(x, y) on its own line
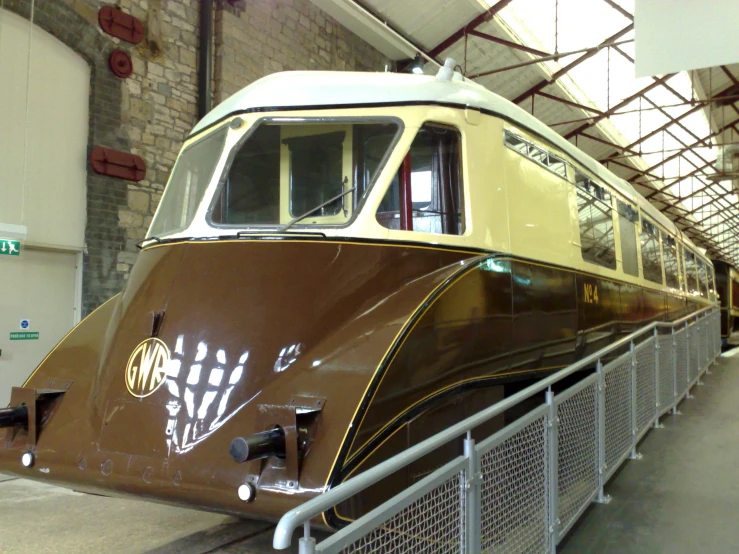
point(727, 287)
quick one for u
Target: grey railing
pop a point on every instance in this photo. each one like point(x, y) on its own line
point(523, 488)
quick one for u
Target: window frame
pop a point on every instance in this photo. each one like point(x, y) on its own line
point(463, 221)
point(221, 129)
point(633, 216)
point(599, 193)
point(647, 223)
point(668, 241)
point(283, 120)
point(549, 155)
point(692, 272)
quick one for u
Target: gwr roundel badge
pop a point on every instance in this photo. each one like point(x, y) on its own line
point(146, 368)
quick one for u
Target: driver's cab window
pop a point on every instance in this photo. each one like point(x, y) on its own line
point(309, 172)
point(426, 193)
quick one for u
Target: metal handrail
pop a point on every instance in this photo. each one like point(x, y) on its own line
point(302, 514)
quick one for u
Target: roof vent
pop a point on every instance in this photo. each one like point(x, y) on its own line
point(446, 72)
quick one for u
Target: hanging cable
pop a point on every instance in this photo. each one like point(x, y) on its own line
point(556, 30)
point(663, 156)
point(25, 133)
point(640, 137)
point(608, 79)
point(2, 5)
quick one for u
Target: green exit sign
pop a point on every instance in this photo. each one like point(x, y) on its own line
point(10, 247)
point(27, 335)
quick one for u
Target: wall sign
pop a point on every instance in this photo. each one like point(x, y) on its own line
point(27, 335)
point(10, 247)
point(25, 324)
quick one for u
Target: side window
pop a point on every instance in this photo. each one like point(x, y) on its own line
point(692, 272)
point(669, 250)
point(595, 217)
point(628, 217)
point(684, 272)
point(553, 163)
point(651, 258)
point(711, 283)
point(426, 194)
point(702, 280)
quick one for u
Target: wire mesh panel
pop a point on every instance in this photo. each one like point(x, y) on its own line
point(646, 390)
point(577, 459)
point(618, 410)
point(666, 373)
point(517, 465)
point(681, 360)
point(693, 353)
point(514, 502)
point(434, 523)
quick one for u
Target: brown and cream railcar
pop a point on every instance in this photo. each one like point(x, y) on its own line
point(343, 264)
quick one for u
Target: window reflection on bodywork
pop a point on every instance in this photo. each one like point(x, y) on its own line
point(200, 395)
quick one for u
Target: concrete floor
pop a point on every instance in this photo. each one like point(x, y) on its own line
point(683, 495)
point(40, 518)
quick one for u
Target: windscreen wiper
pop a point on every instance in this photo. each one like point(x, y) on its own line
point(306, 214)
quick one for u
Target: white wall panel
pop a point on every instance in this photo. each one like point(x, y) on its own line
point(43, 142)
point(674, 36)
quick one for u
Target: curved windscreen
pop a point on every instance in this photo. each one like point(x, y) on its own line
point(307, 172)
point(192, 174)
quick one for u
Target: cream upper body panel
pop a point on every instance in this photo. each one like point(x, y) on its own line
point(328, 90)
point(510, 204)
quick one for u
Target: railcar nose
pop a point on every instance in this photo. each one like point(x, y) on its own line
point(270, 342)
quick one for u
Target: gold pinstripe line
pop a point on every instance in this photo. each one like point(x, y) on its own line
point(379, 242)
point(65, 337)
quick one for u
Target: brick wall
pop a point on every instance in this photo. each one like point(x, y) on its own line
point(266, 36)
point(151, 113)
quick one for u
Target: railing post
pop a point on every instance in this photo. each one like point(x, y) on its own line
point(634, 431)
point(307, 544)
point(553, 430)
point(602, 498)
point(473, 526)
point(657, 387)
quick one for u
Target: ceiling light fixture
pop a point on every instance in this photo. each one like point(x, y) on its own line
point(417, 65)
